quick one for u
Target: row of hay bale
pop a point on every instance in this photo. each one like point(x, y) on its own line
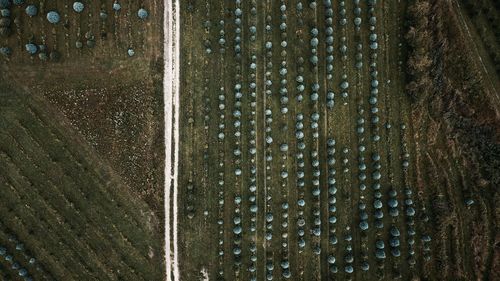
point(252, 189)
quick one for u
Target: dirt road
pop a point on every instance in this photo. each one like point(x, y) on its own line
point(171, 113)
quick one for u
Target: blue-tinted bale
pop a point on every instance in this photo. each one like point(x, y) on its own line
point(5, 13)
point(5, 51)
point(380, 254)
point(4, 4)
point(31, 10)
point(31, 48)
point(394, 242)
point(237, 230)
point(365, 266)
point(117, 6)
point(363, 225)
point(78, 7)
point(396, 252)
point(395, 232)
point(393, 203)
point(331, 259)
point(410, 212)
point(53, 17)
point(142, 13)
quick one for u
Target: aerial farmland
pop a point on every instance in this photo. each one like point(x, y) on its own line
point(81, 142)
point(306, 155)
point(249, 140)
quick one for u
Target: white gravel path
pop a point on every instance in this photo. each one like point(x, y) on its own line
point(171, 114)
